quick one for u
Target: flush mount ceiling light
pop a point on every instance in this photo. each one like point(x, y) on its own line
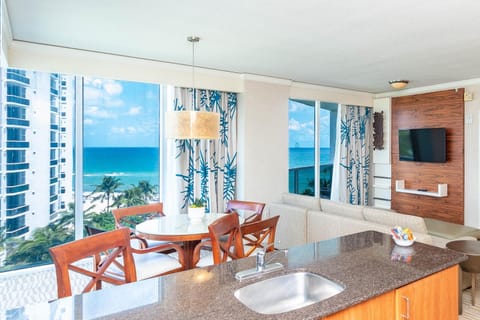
point(192, 124)
point(398, 84)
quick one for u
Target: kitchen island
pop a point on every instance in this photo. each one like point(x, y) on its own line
point(373, 270)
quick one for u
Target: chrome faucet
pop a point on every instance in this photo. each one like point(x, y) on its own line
point(261, 265)
point(261, 256)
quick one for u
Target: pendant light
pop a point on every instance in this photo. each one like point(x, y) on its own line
point(192, 124)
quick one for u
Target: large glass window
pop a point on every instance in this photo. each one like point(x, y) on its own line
point(121, 147)
point(312, 131)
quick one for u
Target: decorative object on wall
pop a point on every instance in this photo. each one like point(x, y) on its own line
point(351, 168)
point(193, 124)
point(378, 130)
point(398, 84)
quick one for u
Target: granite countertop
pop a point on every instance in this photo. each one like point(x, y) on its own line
point(368, 264)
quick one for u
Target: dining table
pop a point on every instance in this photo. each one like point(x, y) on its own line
point(178, 228)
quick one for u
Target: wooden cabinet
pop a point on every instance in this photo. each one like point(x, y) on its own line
point(433, 297)
point(378, 308)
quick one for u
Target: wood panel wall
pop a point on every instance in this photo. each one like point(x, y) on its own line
point(443, 109)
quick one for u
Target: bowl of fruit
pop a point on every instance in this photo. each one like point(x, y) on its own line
point(402, 236)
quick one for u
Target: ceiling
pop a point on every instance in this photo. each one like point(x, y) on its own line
point(356, 44)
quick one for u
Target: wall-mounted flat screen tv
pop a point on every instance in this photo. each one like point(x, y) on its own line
point(423, 145)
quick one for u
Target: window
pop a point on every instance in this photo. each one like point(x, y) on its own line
point(15, 156)
point(16, 178)
point(15, 112)
point(15, 134)
point(121, 146)
point(307, 175)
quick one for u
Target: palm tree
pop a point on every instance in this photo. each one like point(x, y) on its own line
point(35, 250)
point(107, 188)
point(130, 197)
point(147, 189)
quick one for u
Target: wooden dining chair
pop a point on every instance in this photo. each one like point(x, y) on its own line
point(106, 248)
point(225, 242)
point(254, 209)
point(131, 216)
point(259, 235)
point(149, 262)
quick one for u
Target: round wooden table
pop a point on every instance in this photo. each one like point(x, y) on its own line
point(178, 228)
point(472, 265)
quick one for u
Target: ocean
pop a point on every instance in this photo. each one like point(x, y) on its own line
point(131, 165)
point(305, 157)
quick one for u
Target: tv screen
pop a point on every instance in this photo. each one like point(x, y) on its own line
point(422, 145)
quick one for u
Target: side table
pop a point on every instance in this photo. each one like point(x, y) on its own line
point(472, 265)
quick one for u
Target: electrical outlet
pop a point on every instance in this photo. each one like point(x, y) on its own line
point(468, 96)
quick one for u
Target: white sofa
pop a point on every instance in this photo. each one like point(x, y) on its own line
point(305, 219)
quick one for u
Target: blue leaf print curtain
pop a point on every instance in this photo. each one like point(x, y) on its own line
point(205, 169)
point(351, 170)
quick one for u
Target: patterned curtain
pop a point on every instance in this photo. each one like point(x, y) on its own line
point(351, 170)
point(206, 169)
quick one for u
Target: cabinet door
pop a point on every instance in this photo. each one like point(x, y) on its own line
point(378, 308)
point(434, 297)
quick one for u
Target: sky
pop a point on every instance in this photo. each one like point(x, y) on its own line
point(301, 126)
point(120, 113)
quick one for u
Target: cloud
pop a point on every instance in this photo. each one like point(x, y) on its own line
point(104, 93)
point(88, 121)
point(134, 110)
point(296, 125)
point(96, 112)
point(112, 87)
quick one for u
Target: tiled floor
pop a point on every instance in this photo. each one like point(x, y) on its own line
point(470, 312)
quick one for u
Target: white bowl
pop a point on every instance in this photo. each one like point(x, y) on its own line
point(403, 243)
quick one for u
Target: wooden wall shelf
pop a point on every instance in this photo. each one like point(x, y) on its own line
point(441, 192)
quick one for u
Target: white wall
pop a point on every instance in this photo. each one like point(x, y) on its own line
point(263, 141)
point(472, 157)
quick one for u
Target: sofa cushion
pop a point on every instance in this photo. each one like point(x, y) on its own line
point(342, 209)
point(301, 201)
point(450, 230)
point(292, 225)
point(391, 219)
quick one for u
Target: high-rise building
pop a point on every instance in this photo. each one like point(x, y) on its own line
point(36, 161)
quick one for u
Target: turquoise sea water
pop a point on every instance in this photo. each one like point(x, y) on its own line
point(305, 157)
point(130, 165)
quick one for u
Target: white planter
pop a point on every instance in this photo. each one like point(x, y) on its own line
point(196, 213)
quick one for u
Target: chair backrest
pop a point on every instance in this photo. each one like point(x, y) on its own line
point(255, 234)
point(225, 235)
point(125, 217)
point(92, 230)
point(256, 209)
point(116, 243)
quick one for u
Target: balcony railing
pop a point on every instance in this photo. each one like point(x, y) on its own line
point(301, 180)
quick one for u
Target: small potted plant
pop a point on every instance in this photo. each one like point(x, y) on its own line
point(196, 210)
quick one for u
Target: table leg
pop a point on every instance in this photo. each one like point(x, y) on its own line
point(474, 278)
point(188, 248)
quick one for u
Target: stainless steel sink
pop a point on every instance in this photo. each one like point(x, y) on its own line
point(287, 292)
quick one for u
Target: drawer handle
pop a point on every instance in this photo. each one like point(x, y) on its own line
point(407, 303)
